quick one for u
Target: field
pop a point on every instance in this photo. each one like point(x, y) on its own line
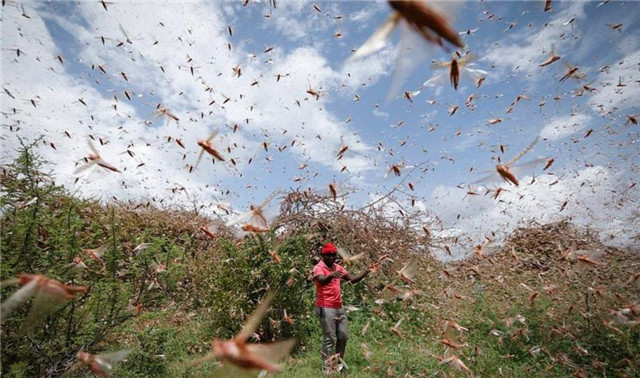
point(552, 301)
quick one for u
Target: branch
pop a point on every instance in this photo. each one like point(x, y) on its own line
point(396, 187)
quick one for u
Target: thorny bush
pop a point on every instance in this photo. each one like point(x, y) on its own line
point(168, 299)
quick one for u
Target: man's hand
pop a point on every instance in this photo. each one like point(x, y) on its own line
point(336, 274)
point(373, 267)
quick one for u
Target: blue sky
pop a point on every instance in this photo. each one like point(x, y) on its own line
point(594, 173)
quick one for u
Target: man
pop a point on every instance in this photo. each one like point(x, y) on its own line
point(333, 318)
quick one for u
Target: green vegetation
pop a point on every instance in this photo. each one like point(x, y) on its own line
point(167, 301)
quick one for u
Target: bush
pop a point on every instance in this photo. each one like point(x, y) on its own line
point(191, 289)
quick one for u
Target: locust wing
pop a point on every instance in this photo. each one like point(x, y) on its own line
point(379, 38)
point(256, 318)
point(17, 298)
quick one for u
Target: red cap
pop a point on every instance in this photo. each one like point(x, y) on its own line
point(329, 248)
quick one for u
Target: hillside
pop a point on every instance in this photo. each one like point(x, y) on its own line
point(551, 301)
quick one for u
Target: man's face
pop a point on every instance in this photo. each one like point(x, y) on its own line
point(329, 259)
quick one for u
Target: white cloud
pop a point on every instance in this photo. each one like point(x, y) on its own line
point(527, 50)
point(592, 200)
point(281, 113)
point(297, 19)
point(367, 71)
point(563, 126)
point(610, 96)
point(263, 111)
point(379, 113)
point(363, 15)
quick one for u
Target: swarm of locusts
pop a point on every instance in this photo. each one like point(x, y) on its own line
point(538, 264)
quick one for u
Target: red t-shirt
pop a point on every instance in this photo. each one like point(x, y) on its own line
point(328, 295)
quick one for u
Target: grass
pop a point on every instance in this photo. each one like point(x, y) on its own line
point(527, 312)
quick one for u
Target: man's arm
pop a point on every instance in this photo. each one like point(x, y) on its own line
point(358, 277)
point(326, 279)
point(372, 268)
